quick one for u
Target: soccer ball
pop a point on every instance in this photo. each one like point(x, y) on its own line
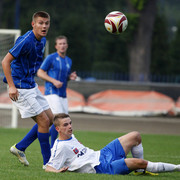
point(115, 22)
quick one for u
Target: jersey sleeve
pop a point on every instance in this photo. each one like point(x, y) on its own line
point(58, 158)
point(21, 47)
point(70, 63)
point(46, 63)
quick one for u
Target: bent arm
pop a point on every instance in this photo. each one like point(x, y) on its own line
point(6, 65)
point(51, 169)
point(43, 75)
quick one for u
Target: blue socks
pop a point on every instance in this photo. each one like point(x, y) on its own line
point(53, 133)
point(33, 134)
point(28, 139)
point(45, 146)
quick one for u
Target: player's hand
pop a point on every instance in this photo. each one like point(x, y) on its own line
point(73, 76)
point(57, 84)
point(13, 93)
point(64, 169)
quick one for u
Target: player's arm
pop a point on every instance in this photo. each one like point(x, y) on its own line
point(43, 75)
point(6, 65)
point(51, 169)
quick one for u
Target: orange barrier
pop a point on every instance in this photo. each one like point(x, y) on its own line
point(117, 102)
point(130, 103)
point(76, 101)
point(178, 106)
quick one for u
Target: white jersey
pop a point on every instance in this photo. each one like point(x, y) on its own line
point(71, 153)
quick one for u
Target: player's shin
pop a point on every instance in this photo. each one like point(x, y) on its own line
point(162, 167)
point(45, 146)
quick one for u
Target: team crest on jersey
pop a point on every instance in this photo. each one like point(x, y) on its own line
point(57, 58)
point(75, 150)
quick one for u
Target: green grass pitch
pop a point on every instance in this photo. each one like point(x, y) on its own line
point(164, 148)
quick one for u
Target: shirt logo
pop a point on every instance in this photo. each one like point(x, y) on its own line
point(75, 150)
point(57, 58)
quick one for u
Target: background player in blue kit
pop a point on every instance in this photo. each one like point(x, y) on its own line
point(20, 66)
point(56, 71)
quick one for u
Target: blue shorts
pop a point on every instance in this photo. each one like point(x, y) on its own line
point(112, 159)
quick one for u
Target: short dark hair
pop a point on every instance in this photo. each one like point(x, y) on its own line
point(59, 116)
point(40, 14)
point(61, 37)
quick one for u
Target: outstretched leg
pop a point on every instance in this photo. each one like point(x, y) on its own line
point(154, 167)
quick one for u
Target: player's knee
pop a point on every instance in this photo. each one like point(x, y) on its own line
point(44, 123)
point(136, 136)
point(141, 163)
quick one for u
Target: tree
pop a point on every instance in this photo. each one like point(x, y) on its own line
point(140, 47)
point(174, 52)
point(160, 61)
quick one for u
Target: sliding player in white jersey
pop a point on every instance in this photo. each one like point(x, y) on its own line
point(69, 154)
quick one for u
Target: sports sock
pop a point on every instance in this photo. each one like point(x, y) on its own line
point(137, 151)
point(161, 167)
point(28, 139)
point(45, 146)
point(53, 133)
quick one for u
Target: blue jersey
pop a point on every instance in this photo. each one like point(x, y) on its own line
point(58, 68)
point(28, 53)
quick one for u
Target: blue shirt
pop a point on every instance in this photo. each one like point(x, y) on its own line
point(58, 68)
point(28, 53)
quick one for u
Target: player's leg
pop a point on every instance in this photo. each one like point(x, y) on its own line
point(52, 132)
point(57, 105)
point(43, 135)
point(19, 148)
point(30, 137)
point(44, 121)
point(30, 103)
point(155, 167)
point(132, 142)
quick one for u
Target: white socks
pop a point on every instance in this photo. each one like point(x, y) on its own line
point(161, 167)
point(137, 151)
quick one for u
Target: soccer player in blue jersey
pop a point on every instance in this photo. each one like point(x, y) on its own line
point(20, 66)
point(56, 71)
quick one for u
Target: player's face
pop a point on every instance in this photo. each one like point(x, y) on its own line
point(61, 46)
point(40, 27)
point(65, 128)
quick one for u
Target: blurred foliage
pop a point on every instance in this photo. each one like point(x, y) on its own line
point(174, 52)
point(139, 4)
point(91, 47)
point(160, 47)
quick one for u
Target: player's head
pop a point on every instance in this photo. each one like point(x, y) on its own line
point(63, 125)
point(40, 24)
point(61, 44)
point(42, 14)
point(61, 37)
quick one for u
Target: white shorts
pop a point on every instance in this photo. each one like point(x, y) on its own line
point(57, 104)
point(30, 102)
